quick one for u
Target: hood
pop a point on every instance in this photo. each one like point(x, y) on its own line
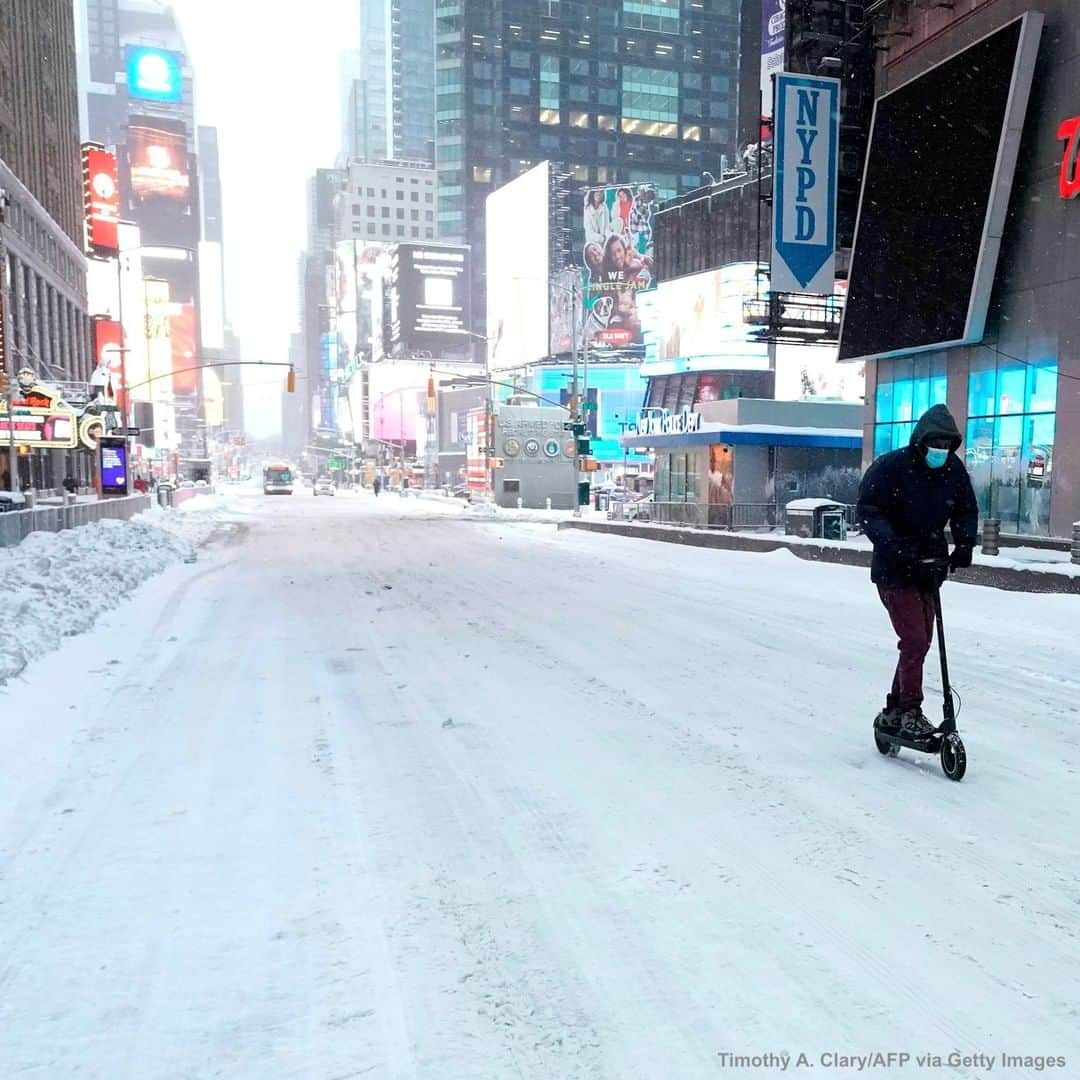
point(936, 423)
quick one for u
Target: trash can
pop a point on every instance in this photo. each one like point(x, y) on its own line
point(822, 519)
point(165, 495)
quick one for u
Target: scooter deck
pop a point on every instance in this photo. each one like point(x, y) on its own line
point(931, 744)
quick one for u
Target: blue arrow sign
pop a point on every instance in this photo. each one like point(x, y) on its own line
point(807, 162)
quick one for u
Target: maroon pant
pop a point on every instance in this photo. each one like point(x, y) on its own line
point(912, 613)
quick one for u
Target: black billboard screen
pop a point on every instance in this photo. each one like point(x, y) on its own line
point(429, 297)
point(938, 175)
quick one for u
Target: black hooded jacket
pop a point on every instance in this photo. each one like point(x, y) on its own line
point(904, 505)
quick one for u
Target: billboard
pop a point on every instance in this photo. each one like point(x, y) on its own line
point(39, 417)
point(807, 162)
point(429, 297)
point(518, 262)
point(101, 193)
point(158, 165)
point(618, 257)
point(154, 74)
point(345, 299)
point(109, 356)
point(566, 309)
point(773, 20)
point(182, 349)
point(696, 324)
point(953, 131)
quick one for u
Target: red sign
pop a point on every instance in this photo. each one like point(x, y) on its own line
point(1069, 133)
point(101, 189)
point(108, 350)
point(185, 380)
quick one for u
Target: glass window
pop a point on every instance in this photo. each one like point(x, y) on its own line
point(607, 96)
point(605, 123)
point(549, 116)
point(520, 59)
point(401, 213)
point(579, 119)
point(691, 133)
point(481, 175)
point(400, 195)
point(386, 211)
point(371, 193)
point(650, 93)
point(414, 196)
point(520, 87)
point(1011, 383)
point(549, 81)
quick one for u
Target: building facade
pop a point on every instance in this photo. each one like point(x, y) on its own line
point(1015, 392)
point(386, 202)
point(617, 91)
point(389, 83)
point(41, 214)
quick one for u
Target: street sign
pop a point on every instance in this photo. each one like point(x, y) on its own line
point(128, 432)
point(807, 162)
point(588, 406)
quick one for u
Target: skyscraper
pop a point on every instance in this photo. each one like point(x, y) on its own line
point(617, 91)
point(389, 83)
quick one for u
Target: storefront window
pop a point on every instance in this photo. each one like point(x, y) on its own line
point(906, 388)
point(1010, 441)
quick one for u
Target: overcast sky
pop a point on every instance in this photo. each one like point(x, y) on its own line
point(267, 78)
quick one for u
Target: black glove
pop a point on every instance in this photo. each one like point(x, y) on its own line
point(960, 559)
point(930, 574)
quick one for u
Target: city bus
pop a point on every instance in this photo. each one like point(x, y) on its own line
point(277, 480)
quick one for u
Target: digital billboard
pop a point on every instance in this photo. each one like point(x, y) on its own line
point(618, 257)
point(101, 192)
point(154, 74)
point(158, 164)
point(211, 295)
point(518, 261)
point(429, 297)
point(345, 298)
point(109, 357)
point(939, 172)
point(697, 323)
point(113, 462)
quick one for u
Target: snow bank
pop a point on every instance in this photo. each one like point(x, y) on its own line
point(55, 585)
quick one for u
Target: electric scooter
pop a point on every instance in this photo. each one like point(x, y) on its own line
point(943, 740)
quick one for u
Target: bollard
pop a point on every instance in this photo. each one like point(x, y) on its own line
point(521, 502)
point(549, 502)
point(991, 536)
point(1076, 542)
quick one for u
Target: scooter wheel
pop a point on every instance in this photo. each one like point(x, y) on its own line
point(953, 757)
point(885, 747)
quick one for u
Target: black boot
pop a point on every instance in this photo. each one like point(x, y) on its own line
point(889, 717)
point(914, 725)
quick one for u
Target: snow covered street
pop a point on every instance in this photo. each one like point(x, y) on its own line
point(384, 788)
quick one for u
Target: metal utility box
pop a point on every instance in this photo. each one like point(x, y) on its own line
point(821, 519)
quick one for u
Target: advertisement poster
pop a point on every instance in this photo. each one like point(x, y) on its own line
point(564, 310)
point(101, 186)
point(158, 159)
point(618, 257)
point(345, 290)
point(113, 454)
point(773, 19)
point(109, 356)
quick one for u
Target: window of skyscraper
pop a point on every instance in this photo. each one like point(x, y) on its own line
point(579, 119)
point(653, 128)
point(549, 116)
point(579, 67)
point(357, 209)
point(608, 96)
point(520, 87)
point(401, 230)
point(401, 213)
point(692, 133)
point(549, 82)
point(414, 231)
point(660, 16)
point(386, 230)
point(650, 93)
point(400, 196)
point(386, 211)
point(520, 59)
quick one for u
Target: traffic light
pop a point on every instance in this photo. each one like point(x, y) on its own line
point(589, 464)
point(290, 381)
point(584, 446)
point(431, 394)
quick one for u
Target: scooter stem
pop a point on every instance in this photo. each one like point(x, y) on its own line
point(948, 708)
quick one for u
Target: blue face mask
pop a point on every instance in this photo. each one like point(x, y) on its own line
point(935, 457)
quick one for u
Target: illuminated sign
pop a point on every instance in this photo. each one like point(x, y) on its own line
point(157, 152)
point(101, 192)
point(1069, 133)
point(662, 422)
point(38, 418)
point(154, 74)
point(113, 460)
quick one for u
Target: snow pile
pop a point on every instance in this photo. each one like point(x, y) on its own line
point(55, 585)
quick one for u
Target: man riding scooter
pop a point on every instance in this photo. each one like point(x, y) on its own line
point(906, 499)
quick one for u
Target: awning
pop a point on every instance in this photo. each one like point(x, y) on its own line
point(752, 435)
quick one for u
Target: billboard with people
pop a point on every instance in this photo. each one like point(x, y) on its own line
point(618, 258)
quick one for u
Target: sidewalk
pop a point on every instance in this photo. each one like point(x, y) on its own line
point(1031, 570)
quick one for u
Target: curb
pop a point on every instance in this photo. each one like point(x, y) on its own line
point(1006, 579)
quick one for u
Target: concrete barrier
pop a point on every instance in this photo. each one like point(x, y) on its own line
point(16, 525)
point(1006, 578)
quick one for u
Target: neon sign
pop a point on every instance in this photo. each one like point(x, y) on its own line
point(1069, 133)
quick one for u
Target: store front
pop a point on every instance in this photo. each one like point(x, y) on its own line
point(1009, 323)
point(736, 463)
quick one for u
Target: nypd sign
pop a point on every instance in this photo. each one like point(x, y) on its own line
point(807, 150)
